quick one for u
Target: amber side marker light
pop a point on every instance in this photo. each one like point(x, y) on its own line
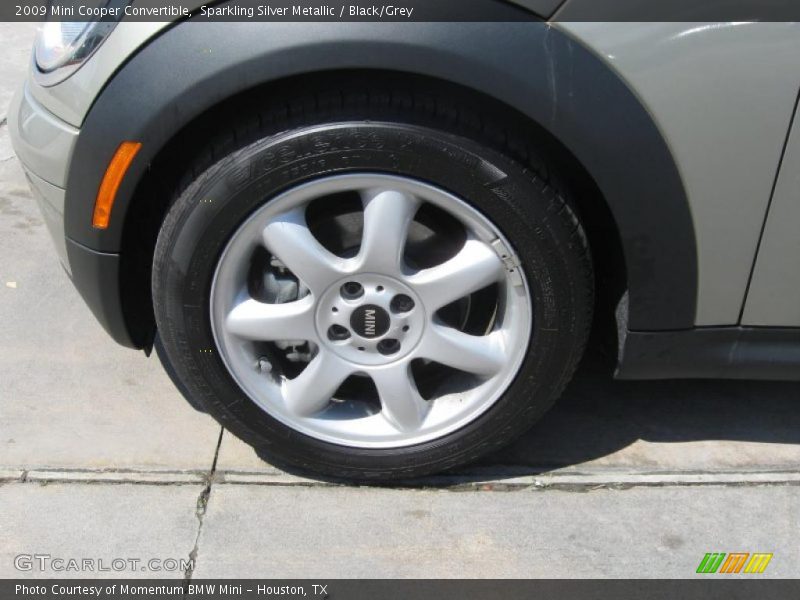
point(115, 172)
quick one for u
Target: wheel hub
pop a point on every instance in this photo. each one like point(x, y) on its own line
point(370, 319)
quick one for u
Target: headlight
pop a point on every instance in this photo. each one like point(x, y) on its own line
point(61, 47)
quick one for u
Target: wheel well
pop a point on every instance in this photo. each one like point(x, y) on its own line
point(386, 95)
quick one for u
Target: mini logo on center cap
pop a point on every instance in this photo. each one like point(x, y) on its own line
point(370, 321)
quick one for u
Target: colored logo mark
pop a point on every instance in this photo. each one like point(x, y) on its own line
point(735, 562)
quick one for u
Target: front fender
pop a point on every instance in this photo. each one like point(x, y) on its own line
point(531, 66)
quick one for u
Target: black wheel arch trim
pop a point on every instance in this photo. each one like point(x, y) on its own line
point(96, 276)
point(532, 67)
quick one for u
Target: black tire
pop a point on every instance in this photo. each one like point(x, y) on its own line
point(169, 368)
point(530, 212)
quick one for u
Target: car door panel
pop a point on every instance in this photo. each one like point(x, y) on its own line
point(774, 297)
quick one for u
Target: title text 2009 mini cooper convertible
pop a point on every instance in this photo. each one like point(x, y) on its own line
point(376, 250)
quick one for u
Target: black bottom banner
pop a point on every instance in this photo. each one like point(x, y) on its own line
point(387, 589)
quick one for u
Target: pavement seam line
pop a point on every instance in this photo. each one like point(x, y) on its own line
point(585, 481)
point(116, 476)
point(200, 513)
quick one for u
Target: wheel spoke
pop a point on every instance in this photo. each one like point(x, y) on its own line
point(401, 402)
point(289, 239)
point(259, 321)
point(482, 355)
point(387, 216)
point(312, 390)
point(473, 268)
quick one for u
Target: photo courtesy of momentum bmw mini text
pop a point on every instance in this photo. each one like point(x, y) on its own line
point(427, 299)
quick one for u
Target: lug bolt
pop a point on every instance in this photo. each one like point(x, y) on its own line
point(390, 346)
point(337, 333)
point(401, 304)
point(352, 290)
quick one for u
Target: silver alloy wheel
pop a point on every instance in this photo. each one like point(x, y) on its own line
point(369, 315)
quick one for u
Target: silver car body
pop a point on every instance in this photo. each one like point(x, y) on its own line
point(723, 96)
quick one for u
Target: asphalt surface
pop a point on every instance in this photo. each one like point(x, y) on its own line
point(101, 457)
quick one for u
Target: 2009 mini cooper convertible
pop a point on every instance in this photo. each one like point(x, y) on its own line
point(375, 250)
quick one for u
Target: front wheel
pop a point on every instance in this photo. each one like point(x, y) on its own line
point(372, 300)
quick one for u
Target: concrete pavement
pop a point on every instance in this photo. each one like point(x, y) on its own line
point(101, 457)
point(349, 533)
point(103, 523)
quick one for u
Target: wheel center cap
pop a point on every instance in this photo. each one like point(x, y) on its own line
point(370, 321)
